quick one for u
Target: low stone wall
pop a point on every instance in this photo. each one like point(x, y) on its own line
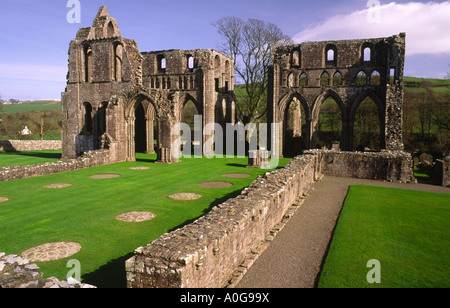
point(205, 253)
point(91, 159)
point(29, 145)
point(392, 166)
point(443, 170)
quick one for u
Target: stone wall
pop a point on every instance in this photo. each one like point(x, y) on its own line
point(90, 159)
point(29, 145)
point(443, 170)
point(17, 272)
point(205, 253)
point(392, 166)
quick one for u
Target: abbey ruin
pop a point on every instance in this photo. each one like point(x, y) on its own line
point(119, 100)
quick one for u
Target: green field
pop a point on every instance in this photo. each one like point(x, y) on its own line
point(406, 231)
point(32, 106)
point(85, 212)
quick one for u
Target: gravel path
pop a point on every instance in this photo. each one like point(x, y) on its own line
point(294, 258)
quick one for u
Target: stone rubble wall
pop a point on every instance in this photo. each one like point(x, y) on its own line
point(206, 253)
point(443, 170)
point(17, 273)
point(29, 145)
point(391, 166)
point(87, 160)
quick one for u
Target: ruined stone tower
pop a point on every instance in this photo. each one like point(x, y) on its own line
point(118, 98)
point(349, 71)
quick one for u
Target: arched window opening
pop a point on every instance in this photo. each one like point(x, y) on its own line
point(367, 54)
point(101, 119)
point(303, 81)
point(87, 120)
point(217, 63)
point(188, 117)
point(325, 79)
point(366, 129)
point(375, 79)
point(190, 62)
point(162, 63)
point(88, 64)
point(294, 126)
point(110, 30)
point(140, 127)
point(337, 79)
point(331, 55)
point(291, 81)
point(329, 125)
point(296, 58)
point(361, 79)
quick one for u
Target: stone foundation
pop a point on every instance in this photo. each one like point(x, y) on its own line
point(392, 166)
point(206, 253)
point(29, 145)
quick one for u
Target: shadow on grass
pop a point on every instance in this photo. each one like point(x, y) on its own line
point(46, 155)
point(109, 276)
point(113, 275)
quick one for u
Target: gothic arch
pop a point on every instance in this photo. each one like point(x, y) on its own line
point(321, 98)
point(381, 114)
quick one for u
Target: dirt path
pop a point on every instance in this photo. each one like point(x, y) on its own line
point(295, 257)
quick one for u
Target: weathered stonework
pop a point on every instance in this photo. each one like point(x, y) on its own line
point(87, 160)
point(392, 166)
point(347, 71)
point(29, 145)
point(18, 273)
point(207, 252)
point(116, 95)
point(443, 170)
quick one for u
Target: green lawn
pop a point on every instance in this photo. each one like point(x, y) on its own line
point(86, 211)
point(32, 106)
point(28, 158)
point(406, 231)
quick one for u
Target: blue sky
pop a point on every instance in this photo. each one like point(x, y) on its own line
point(35, 35)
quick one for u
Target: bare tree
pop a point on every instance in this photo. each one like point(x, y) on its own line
point(448, 74)
point(250, 44)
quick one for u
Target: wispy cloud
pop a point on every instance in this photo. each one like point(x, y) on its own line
point(426, 25)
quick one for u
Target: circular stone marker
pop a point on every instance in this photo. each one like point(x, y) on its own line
point(57, 186)
point(104, 176)
point(3, 199)
point(185, 196)
point(136, 216)
point(51, 251)
point(215, 184)
point(139, 168)
point(237, 175)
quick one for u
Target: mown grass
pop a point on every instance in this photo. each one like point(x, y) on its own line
point(86, 211)
point(407, 231)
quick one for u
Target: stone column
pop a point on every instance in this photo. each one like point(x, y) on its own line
point(150, 135)
point(131, 153)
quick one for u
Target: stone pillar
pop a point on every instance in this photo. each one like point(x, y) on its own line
point(131, 153)
point(394, 118)
point(150, 135)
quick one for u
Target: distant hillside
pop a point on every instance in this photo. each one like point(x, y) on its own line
point(32, 106)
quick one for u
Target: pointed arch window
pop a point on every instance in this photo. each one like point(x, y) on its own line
point(325, 79)
point(303, 80)
point(337, 79)
point(361, 79)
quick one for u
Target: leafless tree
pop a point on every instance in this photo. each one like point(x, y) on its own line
point(250, 44)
